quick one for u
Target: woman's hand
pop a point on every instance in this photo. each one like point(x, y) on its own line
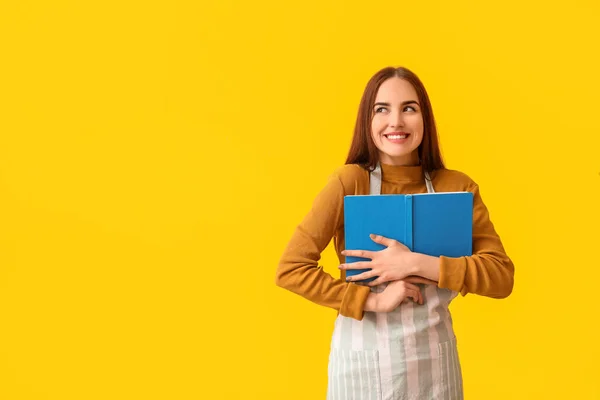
point(392, 296)
point(389, 264)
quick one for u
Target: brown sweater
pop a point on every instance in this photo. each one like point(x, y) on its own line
point(488, 272)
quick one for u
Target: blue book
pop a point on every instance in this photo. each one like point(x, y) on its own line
point(436, 224)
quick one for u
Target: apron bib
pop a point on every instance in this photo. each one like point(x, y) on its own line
point(407, 354)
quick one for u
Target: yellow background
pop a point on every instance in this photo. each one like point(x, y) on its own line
point(155, 157)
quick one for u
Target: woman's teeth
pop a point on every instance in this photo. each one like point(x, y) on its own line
point(396, 137)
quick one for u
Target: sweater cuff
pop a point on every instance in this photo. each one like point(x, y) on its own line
point(452, 273)
point(353, 302)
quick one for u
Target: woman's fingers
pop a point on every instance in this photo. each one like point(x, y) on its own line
point(398, 292)
point(359, 253)
point(356, 265)
point(415, 292)
point(405, 288)
point(387, 242)
point(361, 276)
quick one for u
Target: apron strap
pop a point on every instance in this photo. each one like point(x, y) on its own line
point(428, 183)
point(375, 180)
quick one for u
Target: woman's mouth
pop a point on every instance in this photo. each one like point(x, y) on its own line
point(397, 137)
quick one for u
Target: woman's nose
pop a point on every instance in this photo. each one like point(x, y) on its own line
point(396, 119)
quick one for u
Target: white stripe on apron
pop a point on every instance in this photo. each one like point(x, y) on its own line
point(407, 354)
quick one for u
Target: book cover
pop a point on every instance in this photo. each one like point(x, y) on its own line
point(435, 224)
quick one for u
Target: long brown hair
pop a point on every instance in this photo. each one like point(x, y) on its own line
point(363, 150)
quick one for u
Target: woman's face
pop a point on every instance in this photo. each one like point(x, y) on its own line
point(397, 124)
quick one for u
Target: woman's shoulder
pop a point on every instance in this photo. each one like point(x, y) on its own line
point(350, 173)
point(450, 179)
point(351, 176)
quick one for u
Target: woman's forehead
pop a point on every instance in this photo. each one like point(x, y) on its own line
point(396, 90)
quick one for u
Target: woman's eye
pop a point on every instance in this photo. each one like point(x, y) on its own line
point(380, 109)
point(409, 108)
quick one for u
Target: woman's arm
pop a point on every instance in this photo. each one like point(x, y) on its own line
point(488, 272)
point(298, 270)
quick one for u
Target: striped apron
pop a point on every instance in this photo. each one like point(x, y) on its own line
point(407, 354)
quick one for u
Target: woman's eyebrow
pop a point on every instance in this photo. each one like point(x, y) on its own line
point(403, 103)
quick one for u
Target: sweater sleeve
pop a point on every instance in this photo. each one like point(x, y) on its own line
point(489, 271)
point(298, 269)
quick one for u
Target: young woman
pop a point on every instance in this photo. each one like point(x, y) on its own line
point(393, 337)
